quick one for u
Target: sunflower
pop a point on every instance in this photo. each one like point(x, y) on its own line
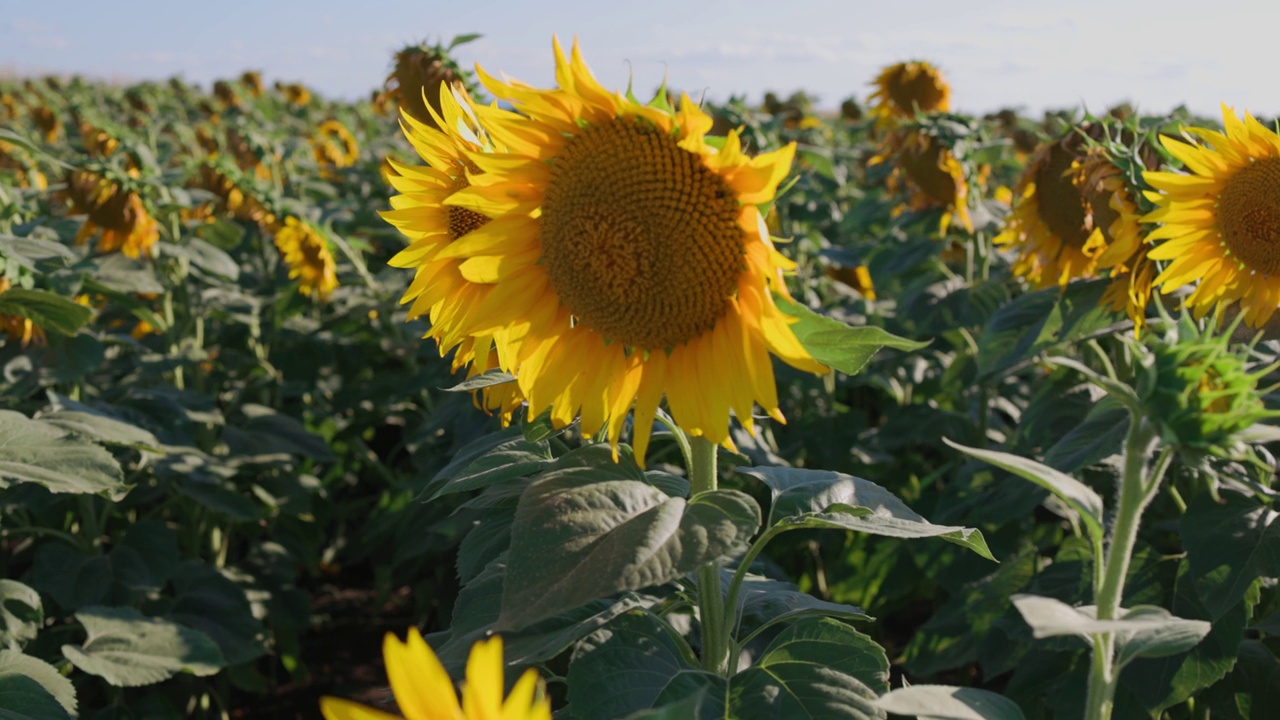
point(116, 211)
point(424, 691)
point(931, 173)
point(48, 122)
point(252, 81)
point(439, 289)
point(24, 169)
point(627, 257)
point(419, 70)
point(241, 204)
point(295, 94)
point(1220, 224)
point(226, 95)
point(306, 253)
point(333, 145)
point(1073, 215)
point(97, 142)
point(908, 88)
point(19, 328)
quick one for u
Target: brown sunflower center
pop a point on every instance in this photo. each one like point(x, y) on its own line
point(1070, 210)
point(1249, 215)
point(639, 238)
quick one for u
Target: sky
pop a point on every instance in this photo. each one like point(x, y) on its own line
point(995, 54)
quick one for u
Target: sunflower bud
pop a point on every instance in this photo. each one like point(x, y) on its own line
point(1196, 389)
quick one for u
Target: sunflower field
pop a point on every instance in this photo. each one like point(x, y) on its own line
point(476, 399)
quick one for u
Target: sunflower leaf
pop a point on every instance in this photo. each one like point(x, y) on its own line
point(839, 346)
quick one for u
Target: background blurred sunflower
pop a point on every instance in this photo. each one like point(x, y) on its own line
point(306, 252)
point(1073, 214)
point(1220, 224)
point(632, 263)
point(440, 290)
point(114, 211)
point(931, 174)
point(905, 89)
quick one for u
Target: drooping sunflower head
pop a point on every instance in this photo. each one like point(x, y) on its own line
point(252, 81)
point(1220, 221)
point(138, 100)
point(295, 94)
point(226, 95)
point(48, 121)
point(306, 253)
point(926, 165)
point(18, 163)
point(907, 89)
point(112, 209)
point(417, 74)
point(1073, 214)
point(97, 142)
point(235, 194)
point(625, 255)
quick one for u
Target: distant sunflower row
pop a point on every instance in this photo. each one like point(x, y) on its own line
point(1087, 201)
point(112, 176)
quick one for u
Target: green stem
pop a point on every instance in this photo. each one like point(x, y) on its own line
point(1137, 488)
point(715, 633)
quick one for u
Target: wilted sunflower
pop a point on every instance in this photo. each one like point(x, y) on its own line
point(1073, 215)
point(333, 145)
point(908, 88)
point(306, 253)
point(8, 107)
point(116, 211)
point(931, 174)
point(1220, 224)
point(424, 691)
point(628, 259)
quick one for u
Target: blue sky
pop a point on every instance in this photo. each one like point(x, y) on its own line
point(994, 53)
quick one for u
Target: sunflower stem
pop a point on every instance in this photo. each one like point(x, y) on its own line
point(1138, 487)
point(715, 640)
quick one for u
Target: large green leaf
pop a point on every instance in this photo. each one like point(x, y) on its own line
point(837, 345)
point(831, 500)
point(42, 453)
point(103, 429)
point(1039, 320)
point(52, 312)
point(1100, 435)
point(32, 688)
point(634, 664)
point(477, 608)
point(209, 602)
point(1141, 631)
point(1229, 545)
point(129, 649)
point(816, 668)
point(583, 533)
point(509, 443)
point(266, 431)
point(1080, 497)
point(21, 614)
point(763, 602)
point(941, 702)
